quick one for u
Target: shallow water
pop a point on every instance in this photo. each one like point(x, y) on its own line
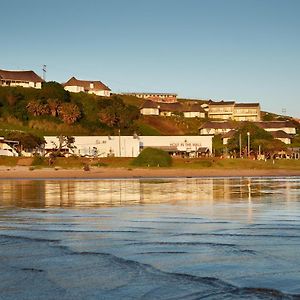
point(217, 238)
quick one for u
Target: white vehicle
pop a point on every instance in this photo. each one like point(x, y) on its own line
point(6, 152)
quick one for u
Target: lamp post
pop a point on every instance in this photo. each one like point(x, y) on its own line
point(120, 142)
point(240, 144)
point(248, 135)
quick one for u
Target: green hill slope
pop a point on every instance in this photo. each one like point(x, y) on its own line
point(53, 111)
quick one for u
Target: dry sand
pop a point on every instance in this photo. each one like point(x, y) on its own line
point(20, 172)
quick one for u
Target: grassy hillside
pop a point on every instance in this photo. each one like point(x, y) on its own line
point(53, 111)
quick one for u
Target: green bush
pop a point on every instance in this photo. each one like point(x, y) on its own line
point(38, 160)
point(151, 157)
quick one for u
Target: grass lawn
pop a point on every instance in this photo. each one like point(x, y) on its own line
point(178, 163)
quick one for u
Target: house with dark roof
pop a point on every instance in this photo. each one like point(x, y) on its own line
point(150, 108)
point(98, 88)
point(281, 130)
point(221, 110)
point(169, 109)
point(193, 110)
point(190, 110)
point(217, 127)
point(27, 79)
point(230, 110)
point(246, 112)
point(282, 136)
point(272, 126)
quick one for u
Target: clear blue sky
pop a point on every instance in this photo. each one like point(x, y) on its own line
point(247, 50)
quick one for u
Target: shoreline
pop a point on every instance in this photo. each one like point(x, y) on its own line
point(20, 172)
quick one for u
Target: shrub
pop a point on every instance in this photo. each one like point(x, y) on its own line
point(38, 160)
point(151, 157)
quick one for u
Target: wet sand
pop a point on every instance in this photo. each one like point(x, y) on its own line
point(111, 173)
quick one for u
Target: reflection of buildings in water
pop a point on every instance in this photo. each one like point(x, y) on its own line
point(98, 193)
point(288, 192)
point(124, 192)
point(173, 191)
point(250, 207)
point(230, 189)
point(22, 193)
point(90, 193)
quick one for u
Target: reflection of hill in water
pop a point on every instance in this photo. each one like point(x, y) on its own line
point(102, 193)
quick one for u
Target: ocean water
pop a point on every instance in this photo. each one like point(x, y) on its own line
point(202, 238)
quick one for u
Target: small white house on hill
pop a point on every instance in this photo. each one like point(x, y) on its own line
point(98, 88)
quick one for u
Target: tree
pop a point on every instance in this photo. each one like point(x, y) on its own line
point(13, 97)
point(54, 90)
point(37, 108)
point(69, 113)
point(115, 113)
point(54, 105)
point(27, 141)
point(64, 142)
point(258, 138)
point(217, 145)
point(271, 147)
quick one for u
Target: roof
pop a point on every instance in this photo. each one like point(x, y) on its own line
point(153, 94)
point(165, 148)
point(218, 125)
point(246, 104)
point(20, 76)
point(275, 124)
point(98, 85)
point(280, 134)
point(194, 107)
point(170, 106)
point(210, 102)
point(229, 134)
point(176, 106)
point(150, 104)
point(203, 149)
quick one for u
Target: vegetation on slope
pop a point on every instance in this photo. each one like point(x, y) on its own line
point(53, 111)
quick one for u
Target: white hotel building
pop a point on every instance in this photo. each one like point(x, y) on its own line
point(131, 146)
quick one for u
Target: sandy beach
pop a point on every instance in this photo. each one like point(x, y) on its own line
point(20, 172)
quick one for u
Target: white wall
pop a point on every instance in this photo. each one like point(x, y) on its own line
point(150, 111)
point(25, 84)
point(78, 89)
point(183, 142)
point(288, 130)
point(212, 131)
point(130, 146)
point(102, 93)
point(74, 88)
point(194, 114)
point(103, 146)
